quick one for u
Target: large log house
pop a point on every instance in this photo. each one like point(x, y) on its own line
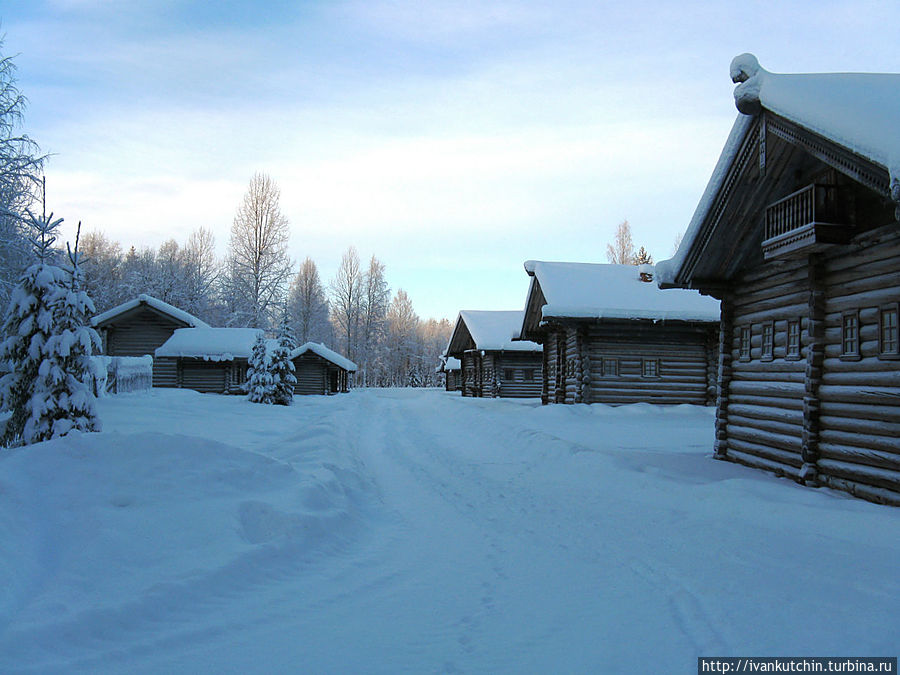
point(610, 335)
point(797, 234)
point(493, 364)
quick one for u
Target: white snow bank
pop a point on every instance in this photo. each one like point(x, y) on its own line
point(155, 303)
point(211, 344)
point(325, 353)
point(144, 538)
point(595, 291)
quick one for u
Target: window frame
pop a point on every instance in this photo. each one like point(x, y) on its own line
point(611, 360)
point(645, 363)
point(882, 352)
point(745, 330)
point(854, 353)
point(764, 353)
point(788, 354)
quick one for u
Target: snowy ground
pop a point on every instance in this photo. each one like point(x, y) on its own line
point(416, 531)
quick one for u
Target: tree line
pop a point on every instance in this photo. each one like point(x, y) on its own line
point(257, 284)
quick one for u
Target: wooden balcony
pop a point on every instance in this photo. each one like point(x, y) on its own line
point(807, 220)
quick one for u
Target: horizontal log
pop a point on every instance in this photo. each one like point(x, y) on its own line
point(775, 413)
point(769, 439)
point(864, 379)
point(865, 456)
point(796, 375)
point(781, 313)
point(888, 396)
point(767, 389)
point(876, 365)
point(854, 425)
point(767, 401)
point(878, 258)
point(763, 457)
point(791, 430)
point(869, 475)
point(878, 413)
point(872, 298)
point(861, 490)
point(866, 278)
point(768, 275)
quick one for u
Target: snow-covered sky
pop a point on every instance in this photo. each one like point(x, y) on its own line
point(454, 140)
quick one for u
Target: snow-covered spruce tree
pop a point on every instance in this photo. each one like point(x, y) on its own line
point(63, 397)
point(259, 373)
point(41, 321)
point(282, 366)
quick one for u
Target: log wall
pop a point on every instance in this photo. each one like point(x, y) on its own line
point(828, 418)
point(137, 333)
point(859, 408)
point(765, 397)
point(684, 355)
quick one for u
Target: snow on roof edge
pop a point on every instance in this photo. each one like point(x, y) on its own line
point(156, 304)
point(327, 354)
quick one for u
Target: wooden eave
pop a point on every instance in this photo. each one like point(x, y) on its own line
point(771, 156)
point(531, 322)
point(461, 339)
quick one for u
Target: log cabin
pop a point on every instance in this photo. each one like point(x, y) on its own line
point(139, 326)
point(320, 370)
point(494, 363)
point(610, 335)
point(208, 360)
point(797, 234)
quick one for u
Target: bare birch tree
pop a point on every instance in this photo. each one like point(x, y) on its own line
point(621, 251)
point(307, 306)
point(21, 166)
point(260, 265)
point(375, 298)
point(201, 272)
point(346, 301)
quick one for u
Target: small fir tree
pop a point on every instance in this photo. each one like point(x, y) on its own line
point(259, 373)
point(63, 398)
point(46, 365)
point(282, 366)
point(642, 257)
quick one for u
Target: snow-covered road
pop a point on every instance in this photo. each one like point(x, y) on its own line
point(416, 531)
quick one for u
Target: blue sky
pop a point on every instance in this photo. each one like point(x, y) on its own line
point(453, 140)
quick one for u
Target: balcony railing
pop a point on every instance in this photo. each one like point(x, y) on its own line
point(805, 220)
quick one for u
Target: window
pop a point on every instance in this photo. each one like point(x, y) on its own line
point(850, 335)
point(745, 343)
point(529, 374)
point(888, 336)
point(767, 351)
point(610, 367)
point(509, 374)
point(650, 368)
point(793, 339)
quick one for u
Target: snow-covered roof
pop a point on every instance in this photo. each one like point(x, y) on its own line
point(211, 344)
point(155, 303)
point(595, 291)
point(325, 353)
point(491, 331)
point(858, 111)
point(448, 363)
